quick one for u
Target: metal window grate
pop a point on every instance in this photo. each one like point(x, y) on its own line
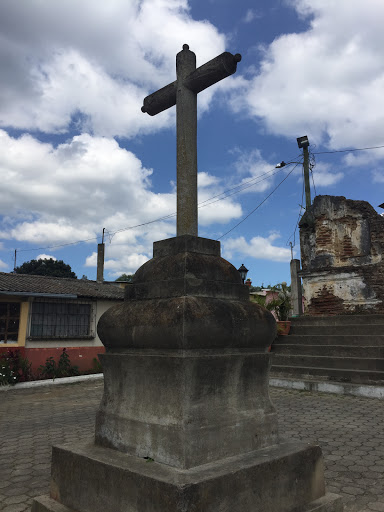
point(60, 319)
point(9, 322)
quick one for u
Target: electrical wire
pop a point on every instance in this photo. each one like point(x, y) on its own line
point(240, 188)
point(258, 206)
point(237, 189)
point(346, 150)
point(312, 164)
point(299, 216)
point(202, 205)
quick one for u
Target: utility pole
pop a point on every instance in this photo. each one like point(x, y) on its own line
point(303, 144)
point(14, 265)
point(100, 260)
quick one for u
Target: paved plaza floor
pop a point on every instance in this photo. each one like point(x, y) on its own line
point(349, 430)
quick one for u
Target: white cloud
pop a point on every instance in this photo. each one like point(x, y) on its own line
point(213, 206)
point(205, 179)
point(46, 257)
point(258, 248)
point(325, 82)
point(378, 176)
point(122, 264)
point(3, 265)
point(323, 175)
point(257, 170)
point(87, 177)
point(219, 211)
point(71, 192)
point(96, 67)
point(251, 15)
point(53, 196)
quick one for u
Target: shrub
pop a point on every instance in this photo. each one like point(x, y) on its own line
point(49, 369)
point(7, 377)
point(14, 368)
point(96, 365)
point(64, 368)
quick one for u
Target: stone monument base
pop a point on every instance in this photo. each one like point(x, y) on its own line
point(283, 478)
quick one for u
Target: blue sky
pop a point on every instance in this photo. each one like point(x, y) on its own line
point(77, 154)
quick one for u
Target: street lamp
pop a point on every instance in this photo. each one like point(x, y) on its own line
point(243, 272)
point(302, 142)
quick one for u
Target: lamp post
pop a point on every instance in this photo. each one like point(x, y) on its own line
point(243, 272)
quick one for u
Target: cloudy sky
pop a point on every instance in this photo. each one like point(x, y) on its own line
point(77, 154)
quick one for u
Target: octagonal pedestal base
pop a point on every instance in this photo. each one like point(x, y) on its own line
point(284, 478)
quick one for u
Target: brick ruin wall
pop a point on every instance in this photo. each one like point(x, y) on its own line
point(342, 246)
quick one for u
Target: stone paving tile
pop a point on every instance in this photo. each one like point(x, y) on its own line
point(349, 430)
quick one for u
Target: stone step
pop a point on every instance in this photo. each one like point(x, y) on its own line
point(351, 329)
point(328, 374)
point(338, 320)
point(329, 350)
point(376, 340)
point(353, 363)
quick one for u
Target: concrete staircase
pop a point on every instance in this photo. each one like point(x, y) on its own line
point(346, 349)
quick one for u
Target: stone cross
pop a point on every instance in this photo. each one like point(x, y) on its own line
point(183, 93)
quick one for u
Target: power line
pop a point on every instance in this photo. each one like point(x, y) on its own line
point(258, 206)
point(346, 150)
point(298, 218)
point(202, 205)
point(237, 188)
point(241, 187)
point(312, 164)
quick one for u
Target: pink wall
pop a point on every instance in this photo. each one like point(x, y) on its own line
point(79, 356)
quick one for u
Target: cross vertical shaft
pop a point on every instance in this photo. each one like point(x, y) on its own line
point(186, 122)
point(183, 93)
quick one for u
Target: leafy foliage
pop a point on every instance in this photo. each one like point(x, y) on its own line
point(96, 365)
point(126, 277)
point(48, 370)
point(64, 367)
point(7, 377)
point(53, 370)
point(282, 305)
point(14, 368)
point(47, 267)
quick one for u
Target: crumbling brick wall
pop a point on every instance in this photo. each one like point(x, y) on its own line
point(342, 246)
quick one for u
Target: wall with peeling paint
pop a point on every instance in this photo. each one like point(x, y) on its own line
point(342, 245)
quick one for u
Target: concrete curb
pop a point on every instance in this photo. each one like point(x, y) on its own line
point(51, 382)
point(339, 388)
point(301, 385)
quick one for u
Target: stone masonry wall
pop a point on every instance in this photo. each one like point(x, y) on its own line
point(342, 245)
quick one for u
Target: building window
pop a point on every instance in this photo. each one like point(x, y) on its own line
point(60, 320)
point(9, 322)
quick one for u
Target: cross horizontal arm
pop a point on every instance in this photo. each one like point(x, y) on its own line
point(160, 100)
point(203, 77)
point(212, 72)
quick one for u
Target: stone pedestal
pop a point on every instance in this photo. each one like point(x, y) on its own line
point(186, 423)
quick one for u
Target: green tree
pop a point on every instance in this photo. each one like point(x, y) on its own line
point(51, 267)
point(126, 277)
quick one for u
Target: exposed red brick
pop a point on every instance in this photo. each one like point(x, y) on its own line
point(327, 249)
point(325, 303)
